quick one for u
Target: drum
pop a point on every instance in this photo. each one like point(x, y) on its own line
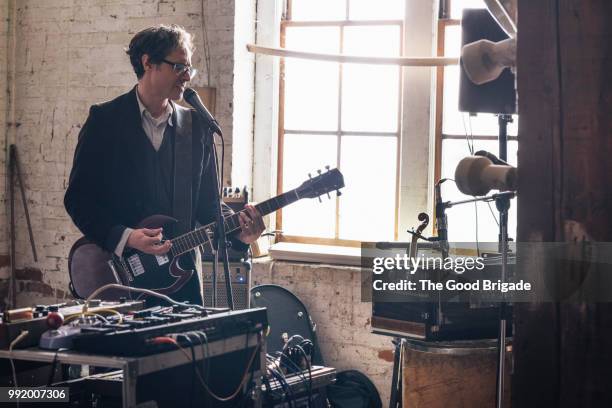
point(287, 315)
point(458, 374)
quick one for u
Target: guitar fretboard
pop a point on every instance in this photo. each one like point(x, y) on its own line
point(204, 235)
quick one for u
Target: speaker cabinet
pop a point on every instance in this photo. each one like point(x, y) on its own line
point(498, 96)
point(241, 284)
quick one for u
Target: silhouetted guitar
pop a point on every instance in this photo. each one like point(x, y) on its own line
point(91, 267)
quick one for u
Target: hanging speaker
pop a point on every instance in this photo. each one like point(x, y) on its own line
point(497, 96)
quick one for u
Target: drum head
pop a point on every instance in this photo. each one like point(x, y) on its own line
point(286, 314)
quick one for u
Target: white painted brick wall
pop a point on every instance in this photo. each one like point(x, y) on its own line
point(244, 89)
point(69, 55)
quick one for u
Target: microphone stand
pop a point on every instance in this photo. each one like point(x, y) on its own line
point(503, 205)
point(219, 242)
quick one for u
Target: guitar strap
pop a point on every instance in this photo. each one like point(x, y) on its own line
point(182, 195)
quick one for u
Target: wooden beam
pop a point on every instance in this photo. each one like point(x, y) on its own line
point(355, 59)
point(562, 352)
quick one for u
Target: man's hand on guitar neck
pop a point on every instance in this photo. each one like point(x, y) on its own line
point(251, 224)
point(148, 241)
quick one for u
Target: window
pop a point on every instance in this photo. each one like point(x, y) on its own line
point(341, 115)
point(457, 133)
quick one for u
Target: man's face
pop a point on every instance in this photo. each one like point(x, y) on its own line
point(167, 83)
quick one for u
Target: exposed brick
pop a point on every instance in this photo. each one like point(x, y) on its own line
point(386, 355)
point(39, 287)
point(29, 273)
point(61, 294)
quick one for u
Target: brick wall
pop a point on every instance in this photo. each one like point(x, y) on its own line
point(4, 49)
point(69, 55)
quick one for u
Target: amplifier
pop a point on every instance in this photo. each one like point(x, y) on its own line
point(241, 284)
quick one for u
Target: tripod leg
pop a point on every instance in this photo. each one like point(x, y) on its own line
point(17, 170)
point(396, 381)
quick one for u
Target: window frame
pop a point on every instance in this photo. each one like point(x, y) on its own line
point(443, 23)
point(286, 22)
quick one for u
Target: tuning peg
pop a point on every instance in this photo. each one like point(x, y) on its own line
point(319, 171)
point(309, 175)
point(327, 167)
point(320, 199)
point(328, 196)
point(338, 193)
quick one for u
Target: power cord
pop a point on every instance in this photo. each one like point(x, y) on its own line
point(170, 339)
point(138, 290)
point(189, 342)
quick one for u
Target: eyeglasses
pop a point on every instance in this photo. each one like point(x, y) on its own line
point(180, 69)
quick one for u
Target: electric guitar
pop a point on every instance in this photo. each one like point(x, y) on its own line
point(91, 267)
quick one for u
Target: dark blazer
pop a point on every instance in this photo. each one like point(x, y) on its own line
point(105, 191)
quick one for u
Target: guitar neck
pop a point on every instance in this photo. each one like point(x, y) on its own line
point(204, 235)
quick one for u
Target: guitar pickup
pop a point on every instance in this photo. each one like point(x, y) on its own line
point(162, 259)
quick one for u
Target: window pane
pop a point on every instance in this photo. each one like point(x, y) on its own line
point(311, 87)
point(370, 98)
point(376, 10)
point(303, 154)
point(367, 204)
point(462, 218)
point(461, 123)
point(457, 6)
point(370, 92)
point(313, 39)
point(308, 10)
point(376, 41)
point(452, 41)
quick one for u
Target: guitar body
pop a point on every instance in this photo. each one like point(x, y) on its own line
point(92, 267)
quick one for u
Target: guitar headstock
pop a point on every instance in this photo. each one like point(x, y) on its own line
point(331, 180)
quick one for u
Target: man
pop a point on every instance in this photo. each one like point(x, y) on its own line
point(125, 165)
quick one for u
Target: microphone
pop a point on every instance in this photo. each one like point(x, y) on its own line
point(191, 97)
point(492, 157)
point(477, 175)
point(483, 61)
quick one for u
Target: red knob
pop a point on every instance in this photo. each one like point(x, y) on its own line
point(55, 320)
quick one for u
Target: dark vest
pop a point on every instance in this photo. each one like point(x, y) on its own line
point(158, 199)
point(158, 190)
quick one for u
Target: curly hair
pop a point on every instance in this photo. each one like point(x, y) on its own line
point(157, 42)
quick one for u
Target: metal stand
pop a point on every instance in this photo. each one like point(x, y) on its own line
point(135, 367)
point(220, 238)
point(503, 205)
point(502, 202)
point(396, 382)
